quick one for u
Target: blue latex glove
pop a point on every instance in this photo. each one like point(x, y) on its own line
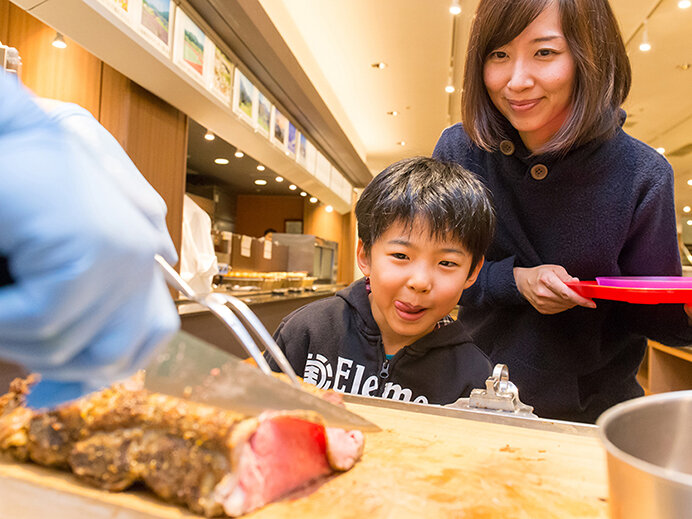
point(79, 226)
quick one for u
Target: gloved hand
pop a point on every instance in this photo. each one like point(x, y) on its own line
point(79, 227)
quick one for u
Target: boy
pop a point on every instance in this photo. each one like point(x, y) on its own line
point(423, 227)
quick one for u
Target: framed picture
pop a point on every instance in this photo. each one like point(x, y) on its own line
point(221, 72)
point(264, 114)
point(301, 154)
point(123, 8)
point(292, 141)
point(310, 157)
point(155, 19)
point(323, 169)
point(279, 133)
point(244, 97)
point(188, 50)
point(293, 226)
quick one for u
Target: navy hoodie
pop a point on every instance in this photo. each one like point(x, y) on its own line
point(604, 209)
point(335, 343)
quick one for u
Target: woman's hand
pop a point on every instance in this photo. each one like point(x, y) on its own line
point(688, 311)
point(544, 287)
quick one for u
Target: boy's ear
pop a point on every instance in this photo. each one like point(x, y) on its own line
point(473, 275)
point(362, 258)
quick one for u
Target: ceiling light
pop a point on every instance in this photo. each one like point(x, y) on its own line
point(401, 143)
point(686, 209)
point(393, 113)
point(209, 135)
point(292, 187)
point(239, 154)
point(260, 167)
point(689, 182)
point(313, 199)
point(329, 208)
point(449, 89)
point(455, 8)
point(279, 179)
point(59, 41)
point(661, 150)
point(689, 222)
point(261, 182)
point(645, 46)
point(221, 161)
point(303, 193)
point(379, 65)
point(684, 4)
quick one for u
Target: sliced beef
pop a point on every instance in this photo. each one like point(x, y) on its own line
point(211, 460)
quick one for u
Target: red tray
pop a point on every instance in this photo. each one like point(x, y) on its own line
point(645, 296)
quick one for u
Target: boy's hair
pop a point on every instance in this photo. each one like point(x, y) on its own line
point(449, 198)
point(602, 76)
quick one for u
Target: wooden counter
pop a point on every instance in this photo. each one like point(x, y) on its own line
point(420, 465)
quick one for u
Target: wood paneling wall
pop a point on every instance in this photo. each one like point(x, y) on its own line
point(4, 20)
point(71, 74)
point(256, 213)
point(335, 227)
point(152, 132)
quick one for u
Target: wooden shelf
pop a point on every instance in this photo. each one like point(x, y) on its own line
point(666, 369)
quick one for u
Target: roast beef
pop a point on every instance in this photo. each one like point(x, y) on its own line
point(211, 460)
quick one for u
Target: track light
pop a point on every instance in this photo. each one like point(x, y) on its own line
point(645, 46)
point(59, 41)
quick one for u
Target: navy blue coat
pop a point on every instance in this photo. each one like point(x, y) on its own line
point(604, 209)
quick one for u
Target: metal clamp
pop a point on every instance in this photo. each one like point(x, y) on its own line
point(500, 394)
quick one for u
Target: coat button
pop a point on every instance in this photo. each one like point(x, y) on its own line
point(539, 172)
point(507, 147)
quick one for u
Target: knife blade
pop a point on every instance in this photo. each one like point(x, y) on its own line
point(189, 368)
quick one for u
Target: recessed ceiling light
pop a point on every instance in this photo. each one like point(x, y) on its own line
point(221, 161)
point(393, 113)
point(455, 8)
point(329, 208)
point(292, 187)
point(449, 89)
point(59, 41)
point(689, 182)
point(303, 193)
point(261, 182)
point(689, 222)
point(279, 179)
point(686, 209)
point(209, 135)
point(379, 65)
point(684, 4)
point(401, 143)
point(239, 154)
point(260, 167)
point(313, 199)
point(661, 150)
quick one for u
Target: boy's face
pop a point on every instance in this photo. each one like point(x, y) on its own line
point(415, 280)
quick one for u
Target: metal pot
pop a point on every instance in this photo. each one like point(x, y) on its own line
point(649, 446)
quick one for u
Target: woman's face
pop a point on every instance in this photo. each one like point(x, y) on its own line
point(530, 79)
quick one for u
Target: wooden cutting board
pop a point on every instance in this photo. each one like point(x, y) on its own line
point(420, 465)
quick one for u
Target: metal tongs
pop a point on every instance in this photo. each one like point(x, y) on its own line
point(238, 320)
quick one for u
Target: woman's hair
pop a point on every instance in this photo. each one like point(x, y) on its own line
point(449, 198)
point(602, 79)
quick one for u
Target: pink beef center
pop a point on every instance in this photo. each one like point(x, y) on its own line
point(288, 453)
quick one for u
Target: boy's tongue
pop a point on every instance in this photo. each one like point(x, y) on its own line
point(406, 310)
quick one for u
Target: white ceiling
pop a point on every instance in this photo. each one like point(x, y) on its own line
point(336, 41)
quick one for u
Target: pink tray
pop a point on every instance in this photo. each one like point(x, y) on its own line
point(647, 296)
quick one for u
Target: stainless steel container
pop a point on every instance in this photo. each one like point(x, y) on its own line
point(649, 445)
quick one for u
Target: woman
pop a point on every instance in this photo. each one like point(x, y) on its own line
point(576, 197)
